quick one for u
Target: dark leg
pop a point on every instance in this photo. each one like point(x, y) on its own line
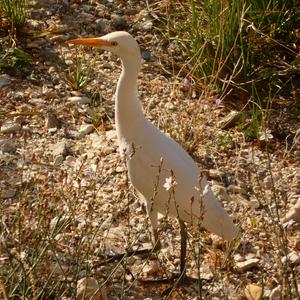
point(183, 235)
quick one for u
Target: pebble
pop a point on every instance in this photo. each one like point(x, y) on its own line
point(52, 121)
point(235, 189)
point(10, 127)
point(253, 292)
point(58, 160)
point(79, 99)
point(89, 289)
point(39, 102)
point(146, 25)
point(7, 146)
point(118, 22)
point(292, 258)
point(86, 18)
point(254, 203)
point(8, 193)
point(247, 265)
point(59, 38)
point(220, 192)
point(111, 135)
point(102, 26)
point(59, 148)
point(216, 174)
point(86, 129)
point(276, 293)
point(4, 80)
point(293, 213)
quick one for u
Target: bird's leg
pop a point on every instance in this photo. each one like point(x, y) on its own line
point(183, 235)
point(153, 216)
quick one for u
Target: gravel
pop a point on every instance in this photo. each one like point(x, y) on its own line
point(56, 154)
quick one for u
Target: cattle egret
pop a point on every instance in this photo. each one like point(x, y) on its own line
point(157, 165)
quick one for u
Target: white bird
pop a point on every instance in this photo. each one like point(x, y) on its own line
point(153, 159)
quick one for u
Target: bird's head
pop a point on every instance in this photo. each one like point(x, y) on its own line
point(120, 43)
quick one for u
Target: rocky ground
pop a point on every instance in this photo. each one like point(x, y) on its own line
point(65, 195)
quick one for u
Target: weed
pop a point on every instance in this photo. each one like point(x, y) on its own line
point(15, 58)
point(15, 11)
point(79, 75)
point(232, 44)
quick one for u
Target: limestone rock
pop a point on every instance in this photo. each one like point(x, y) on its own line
point(59, 148)
point(247, 264)
point(220, 192)
point(88, 289)
point(8, 193)
point(235, 189)
point(216, 174)
point(10, 127)
point(79, 99)
point(86, 129)
point(253, 292)
point(293, 213)
point(292, 258)
point(7, 146)
point(52, 121)
point(4, 80)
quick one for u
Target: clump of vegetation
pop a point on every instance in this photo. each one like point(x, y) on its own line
point(12, 58)
point(235, 46)
point(15, 58)
point(78, 76)
point(15, 11)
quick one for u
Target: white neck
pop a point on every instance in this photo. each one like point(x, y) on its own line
point(128, 109)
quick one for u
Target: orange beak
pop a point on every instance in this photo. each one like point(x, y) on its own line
point(93, 42)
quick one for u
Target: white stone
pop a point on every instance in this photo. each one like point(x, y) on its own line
point(58, 160)
point(86, 129)
point(247, 264)
point(253, 292)
point(4, 80)
point(59, 148)
point(8, 193)
point(220, 192)
point(216, 174)
point(293, 213)
point(88, 289)
point(7, 146)
point(292, 258)
point(111, 135)
point(235, 189)
point(10, 127)
point(79, 99)
point(276, 293)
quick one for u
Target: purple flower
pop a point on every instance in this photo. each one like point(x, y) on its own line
point(186, 82)
point(218, 102)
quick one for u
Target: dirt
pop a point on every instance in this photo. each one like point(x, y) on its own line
point(65, 197)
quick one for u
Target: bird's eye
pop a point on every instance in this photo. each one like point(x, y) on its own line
point(114, 43)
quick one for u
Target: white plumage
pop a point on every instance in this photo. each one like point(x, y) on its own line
point(146, 147)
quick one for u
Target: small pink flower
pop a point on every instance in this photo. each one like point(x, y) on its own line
point(218, 102)
point(186, 84)
point(170, 183)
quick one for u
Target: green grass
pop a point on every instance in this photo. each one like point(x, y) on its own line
point(79, 74)
point(244, 51)
point(232, 44)
point(14, 58)
point(15, 11)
